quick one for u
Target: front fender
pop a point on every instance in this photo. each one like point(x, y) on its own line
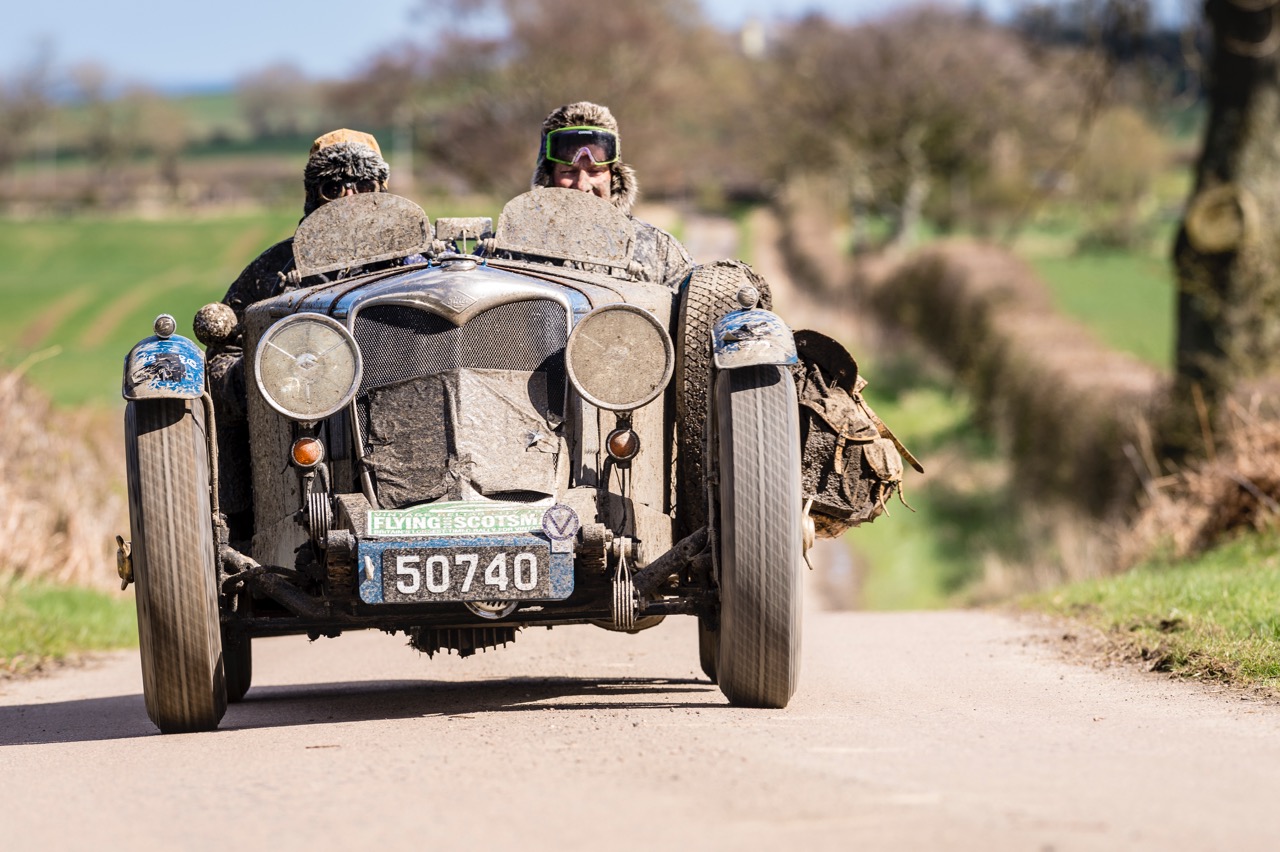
point(750, 337)
point(164, 368)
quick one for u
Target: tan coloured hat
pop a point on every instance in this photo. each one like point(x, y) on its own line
point(334, 137)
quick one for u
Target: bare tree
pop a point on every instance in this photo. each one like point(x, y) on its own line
point(25, 102)
point(393, 80)
point(1227, 252)
point(477, 100)
point(1117, 172)
point(900, 107)
point(120, 124)
point(104, 136)
point(161, 131)
point(1121, 60)
point(275, 100)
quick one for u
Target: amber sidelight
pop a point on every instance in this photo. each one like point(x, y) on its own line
point(623, 444)
point(307, 452)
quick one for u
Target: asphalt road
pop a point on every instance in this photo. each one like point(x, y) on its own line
point(956, 730)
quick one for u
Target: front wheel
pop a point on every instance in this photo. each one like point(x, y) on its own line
point(760, 536)
point(167, 458)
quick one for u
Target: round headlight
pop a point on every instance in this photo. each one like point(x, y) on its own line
point(308, 366)
point(619, 357)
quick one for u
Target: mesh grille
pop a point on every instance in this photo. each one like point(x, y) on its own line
point(400, 343)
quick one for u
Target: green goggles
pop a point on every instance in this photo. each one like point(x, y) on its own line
point(581, 146)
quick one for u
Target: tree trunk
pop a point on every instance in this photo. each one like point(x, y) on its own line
point(1227, 252)
point(917, 184)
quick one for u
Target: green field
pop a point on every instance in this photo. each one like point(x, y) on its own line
point(1128, 300)
point(83, 291)
point(77, 293)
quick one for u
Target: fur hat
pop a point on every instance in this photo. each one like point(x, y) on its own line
point(623, 188)
point(343, 153)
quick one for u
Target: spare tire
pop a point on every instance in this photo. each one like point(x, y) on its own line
point(711, 292)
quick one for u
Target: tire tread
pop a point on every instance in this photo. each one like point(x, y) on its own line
point(761, 594)
point(170, 521)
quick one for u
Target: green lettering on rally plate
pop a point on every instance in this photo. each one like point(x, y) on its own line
point(458, 518)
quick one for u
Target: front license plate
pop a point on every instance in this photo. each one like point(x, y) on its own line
point(506, 571)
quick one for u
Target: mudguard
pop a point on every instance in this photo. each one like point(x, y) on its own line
point(749, 337)
point(164, 368)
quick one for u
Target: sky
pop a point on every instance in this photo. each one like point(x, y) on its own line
point(177, 44)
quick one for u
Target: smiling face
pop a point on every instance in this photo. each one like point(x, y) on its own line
point(580, 149)
point(587, 178)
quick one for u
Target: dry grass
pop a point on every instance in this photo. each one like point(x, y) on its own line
point(62, 495)
point(1237, 488)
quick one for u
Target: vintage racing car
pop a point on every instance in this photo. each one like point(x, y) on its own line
point(473, 443)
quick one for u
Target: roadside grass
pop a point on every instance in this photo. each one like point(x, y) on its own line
point(1214, 618)
point(42, 623)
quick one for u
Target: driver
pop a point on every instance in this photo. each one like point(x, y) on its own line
point(341, 163)
point(580, 150)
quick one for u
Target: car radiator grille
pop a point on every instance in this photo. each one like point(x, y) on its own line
point(404, 347)
point(400, 343)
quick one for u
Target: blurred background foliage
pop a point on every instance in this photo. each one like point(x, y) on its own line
point(1065, 132)
point(929, 117)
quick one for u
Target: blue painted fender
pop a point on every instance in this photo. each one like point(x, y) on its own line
point(164, 368)
point(749, 337)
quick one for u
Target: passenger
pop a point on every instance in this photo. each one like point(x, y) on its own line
point(580, 150)
point(341, 163)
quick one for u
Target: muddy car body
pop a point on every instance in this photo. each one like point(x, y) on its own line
point(527, 435)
